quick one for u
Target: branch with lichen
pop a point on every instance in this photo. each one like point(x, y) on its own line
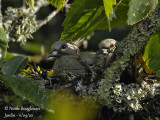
point(21, 23)
point(128, 47)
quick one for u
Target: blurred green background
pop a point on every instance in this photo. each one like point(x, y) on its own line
point(51, 32)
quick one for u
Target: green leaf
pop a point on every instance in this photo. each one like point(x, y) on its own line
point(28, 89)
point(139, 9)
point(85, 25)
point(86, 16)
point(14, 65)
point(3, 45)
point(8, 56)
point(81, 17)
point(57, 3)
point(78, 9)
point(30, 3)
point(108, 6)
point(152, 54)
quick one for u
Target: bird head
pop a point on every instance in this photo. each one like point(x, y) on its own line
point(61, 48)
point(108, 45)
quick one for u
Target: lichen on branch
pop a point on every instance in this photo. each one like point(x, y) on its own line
point(19, 24)
point(126, 49)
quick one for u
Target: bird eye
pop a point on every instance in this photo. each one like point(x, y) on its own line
point(63, 46)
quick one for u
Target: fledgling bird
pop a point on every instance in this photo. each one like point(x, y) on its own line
point(107, 48)
point(67, 59)
point(103, 57)
point(107, 45)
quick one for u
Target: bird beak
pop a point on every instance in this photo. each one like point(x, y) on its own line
point(53, 54)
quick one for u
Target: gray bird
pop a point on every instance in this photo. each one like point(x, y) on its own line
point(67, 59)
point(106, 53)
point(108, 45)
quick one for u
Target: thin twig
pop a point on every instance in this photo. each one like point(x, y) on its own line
point(24, 4)
point(118, 3)
point(49, 17)
point(42, 50)
point(67, 6)
point(39, 4)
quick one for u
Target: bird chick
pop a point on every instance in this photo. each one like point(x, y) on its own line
point(106, 52)
point(67, 59)
point(107, 45)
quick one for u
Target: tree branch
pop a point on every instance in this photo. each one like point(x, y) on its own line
point(49, 17)
point(39, 4)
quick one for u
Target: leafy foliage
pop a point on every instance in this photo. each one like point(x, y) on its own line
point(30, 3)
point(78, 23)
point(14, 65)
point(57, 3)
point(86, 16)
point(78, 9)
point(3, 45)
point(152, 54)
point(82, 19)
point(85, 25)
point(28, 89)
point(138, 10)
